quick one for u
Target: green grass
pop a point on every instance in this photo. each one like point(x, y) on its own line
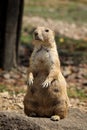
point(11, 89)
point(26, 39)
point(3, 88)
point(85, 76)
point(73, 49)
point(71, 11)
point(74, 92)
point(71, 44)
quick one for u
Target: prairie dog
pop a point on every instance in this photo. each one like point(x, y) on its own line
point(46, 93)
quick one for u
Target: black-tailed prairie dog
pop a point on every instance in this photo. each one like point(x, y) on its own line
point(46, 94)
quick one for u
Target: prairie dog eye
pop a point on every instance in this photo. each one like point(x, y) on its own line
point(46, 30)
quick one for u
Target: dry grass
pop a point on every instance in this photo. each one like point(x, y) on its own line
point(52, 3)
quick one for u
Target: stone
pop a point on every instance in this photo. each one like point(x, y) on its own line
point(4, 94)
point(6, 76)
point(76, 120)
point(67, 71)
point(85, 83)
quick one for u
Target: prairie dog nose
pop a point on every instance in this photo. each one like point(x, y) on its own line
point(36, 34)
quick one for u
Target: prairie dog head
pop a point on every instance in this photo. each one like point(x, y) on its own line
point(43, 36)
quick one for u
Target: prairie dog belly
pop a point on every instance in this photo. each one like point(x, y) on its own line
point(45, 95)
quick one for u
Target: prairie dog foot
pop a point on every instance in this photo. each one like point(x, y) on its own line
point(55, 118)
point(30, 79)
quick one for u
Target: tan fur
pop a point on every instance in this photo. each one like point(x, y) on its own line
point(46, 94)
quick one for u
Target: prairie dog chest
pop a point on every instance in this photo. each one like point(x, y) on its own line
point(42, 56)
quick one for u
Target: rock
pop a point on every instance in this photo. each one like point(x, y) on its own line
point(67, 71)
point(76, 120)
point(20, 105)
point(85, 83)
point(4, 94)
point(6, 76)
point(74, 102)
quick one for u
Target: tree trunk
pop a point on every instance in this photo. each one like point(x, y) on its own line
point(10, 26)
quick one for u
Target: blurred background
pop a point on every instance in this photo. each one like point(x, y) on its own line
point(68, 18)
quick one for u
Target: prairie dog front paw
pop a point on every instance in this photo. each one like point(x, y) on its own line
point(30, 79)
point(46, 83)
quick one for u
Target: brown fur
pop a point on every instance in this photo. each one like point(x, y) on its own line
point(46, 94)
